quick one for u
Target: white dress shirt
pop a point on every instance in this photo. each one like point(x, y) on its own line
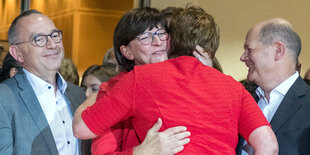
point(56, 111)
point(275, 98)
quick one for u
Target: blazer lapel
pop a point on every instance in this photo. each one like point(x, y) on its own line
point(31, 102)
point(289, 105)
point(69, 99)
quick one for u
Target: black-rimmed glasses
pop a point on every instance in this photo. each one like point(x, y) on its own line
point(41, 40)
point(148, 37)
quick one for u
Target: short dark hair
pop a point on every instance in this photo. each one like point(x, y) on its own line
point(12, 29)
point(271, 33)
point(133, 23)
point(190, 27)
point(101, 72)
point(8, 63)
point(168, 11)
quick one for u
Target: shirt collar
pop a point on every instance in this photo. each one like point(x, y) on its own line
point(281, 88)
point(40, 84)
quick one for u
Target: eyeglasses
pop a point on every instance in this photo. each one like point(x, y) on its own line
point(148, 37)
point(41, 40)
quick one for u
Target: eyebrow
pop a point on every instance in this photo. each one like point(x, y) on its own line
point(39, 34)
point(94, 85)
point(245, 46)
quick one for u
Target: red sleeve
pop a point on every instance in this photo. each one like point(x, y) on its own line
point(110, 143)
point(251, 117)
point(106, 86)
point(111, 107)
point(107, 143)
point(126, 152)
point(119, 141)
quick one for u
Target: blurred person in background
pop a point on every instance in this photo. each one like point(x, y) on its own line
point(92, 78)
point(9, 67)
point(1, 51)
point(307, 77)
point(110, 60)
point(69, 72)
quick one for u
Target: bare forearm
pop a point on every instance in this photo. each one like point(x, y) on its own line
point(80, 129)
point(264, 141)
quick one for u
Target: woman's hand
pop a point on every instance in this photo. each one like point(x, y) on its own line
point(170, 141)
point(202, 56)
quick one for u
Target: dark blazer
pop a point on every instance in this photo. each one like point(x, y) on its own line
point(23, 126)
point(291, 122)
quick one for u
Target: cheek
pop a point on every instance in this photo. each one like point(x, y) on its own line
point(145, 50)
point(143, 53)
point(253, 58)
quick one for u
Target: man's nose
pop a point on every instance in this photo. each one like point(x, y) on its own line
point(243, 57)
point(50, 42)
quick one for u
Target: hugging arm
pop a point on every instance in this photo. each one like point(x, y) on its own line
point(264, 141)
point(170, 141)
point(80, 129)
point(254, 126)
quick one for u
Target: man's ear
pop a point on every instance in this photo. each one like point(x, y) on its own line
point(280, 50)
point(126, 52)
point(16, 53)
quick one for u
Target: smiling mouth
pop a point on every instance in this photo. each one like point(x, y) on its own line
point(250, 68)
point(159, 52)
point(51, 55)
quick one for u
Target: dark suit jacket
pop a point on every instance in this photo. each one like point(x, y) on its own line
point(23, 126)
point(291, 122)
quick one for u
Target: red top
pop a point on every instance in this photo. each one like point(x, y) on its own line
point(120, 137)
point(182, 91)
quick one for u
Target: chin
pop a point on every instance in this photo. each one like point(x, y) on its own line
point(159, 60)
point(250, 78)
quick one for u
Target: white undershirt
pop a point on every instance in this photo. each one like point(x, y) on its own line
point(56, 111)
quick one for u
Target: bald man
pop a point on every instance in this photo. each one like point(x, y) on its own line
point(271, 53)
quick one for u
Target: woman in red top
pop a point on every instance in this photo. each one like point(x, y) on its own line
point(182, 91)
point(133, 48)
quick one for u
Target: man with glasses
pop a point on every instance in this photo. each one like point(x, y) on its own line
point(37, 105)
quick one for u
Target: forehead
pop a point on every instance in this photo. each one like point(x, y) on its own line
point(158, 26)
point(91, 79)
point(252, 37)
point(35, 24)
